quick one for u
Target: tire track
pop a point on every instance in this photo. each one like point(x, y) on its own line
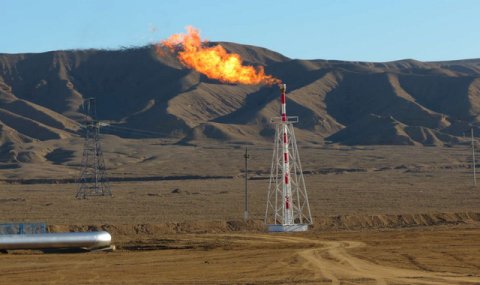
point(330, 260)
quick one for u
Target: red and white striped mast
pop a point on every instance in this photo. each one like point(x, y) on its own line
point(286, 187)
point(287, 201)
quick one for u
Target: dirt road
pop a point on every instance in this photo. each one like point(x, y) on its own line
point(422, 256)
point(333, 261)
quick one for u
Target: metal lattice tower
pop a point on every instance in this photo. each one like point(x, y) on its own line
point(93, 179)
point(287, 202)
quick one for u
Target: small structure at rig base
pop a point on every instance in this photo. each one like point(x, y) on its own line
point(288, 228)
point(288, 209)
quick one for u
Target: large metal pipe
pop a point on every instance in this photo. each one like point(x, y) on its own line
point(83, 240)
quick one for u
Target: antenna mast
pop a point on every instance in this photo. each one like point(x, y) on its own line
point(473, 160)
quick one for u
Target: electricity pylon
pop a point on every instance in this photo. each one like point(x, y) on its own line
point(93, 179)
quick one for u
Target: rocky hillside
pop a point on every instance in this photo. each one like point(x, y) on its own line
point(142, 95)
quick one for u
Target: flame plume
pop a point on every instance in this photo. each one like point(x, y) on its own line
point(215, 62)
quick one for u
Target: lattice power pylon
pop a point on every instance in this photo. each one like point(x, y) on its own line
point(287, 202)
point(93, 179)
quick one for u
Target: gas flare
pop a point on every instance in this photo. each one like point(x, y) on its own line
point(214, 62)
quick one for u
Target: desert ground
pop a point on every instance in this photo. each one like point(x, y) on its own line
point(414, 256)
point(382, 215)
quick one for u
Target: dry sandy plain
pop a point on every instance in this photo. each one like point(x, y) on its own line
point(382, 215)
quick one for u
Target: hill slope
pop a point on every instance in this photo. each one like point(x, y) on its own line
point(401, 102)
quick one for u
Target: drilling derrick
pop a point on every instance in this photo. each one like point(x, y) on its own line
point(287, 202)
point(93, 179)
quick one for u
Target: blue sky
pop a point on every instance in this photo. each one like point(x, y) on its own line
point(364, 30)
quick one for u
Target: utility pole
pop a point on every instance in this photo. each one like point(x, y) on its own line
point(247, 157)
point(473, 161)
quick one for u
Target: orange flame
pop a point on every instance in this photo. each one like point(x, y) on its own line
point(215, 62)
